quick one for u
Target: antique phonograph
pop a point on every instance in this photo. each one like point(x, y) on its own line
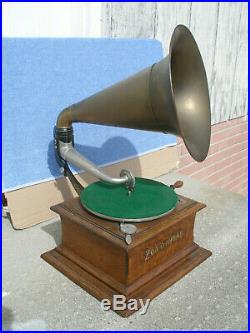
point(130, 235)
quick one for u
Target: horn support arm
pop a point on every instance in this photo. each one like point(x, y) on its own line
point(65, 149)
point(71, 155)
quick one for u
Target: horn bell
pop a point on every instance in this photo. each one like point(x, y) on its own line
point(190, 93)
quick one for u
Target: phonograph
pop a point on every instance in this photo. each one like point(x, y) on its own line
point(128, 235)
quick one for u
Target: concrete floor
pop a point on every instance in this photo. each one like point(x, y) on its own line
point(211, 297)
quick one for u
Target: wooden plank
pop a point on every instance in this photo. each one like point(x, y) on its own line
point(90, 17)
point(223, 84)
point(168, 16)
point(203, 24)
point(106, 19)
point(239, 104)
point(132, 19)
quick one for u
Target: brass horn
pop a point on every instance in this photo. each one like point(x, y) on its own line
point(171, 96)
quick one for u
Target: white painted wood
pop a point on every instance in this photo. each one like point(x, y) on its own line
point(226, 50)
point(106, 19)
point(169, 15)
point(239, 105)
point(91, 18)
point(51, 19)
point(203, 25)
point(135, 19)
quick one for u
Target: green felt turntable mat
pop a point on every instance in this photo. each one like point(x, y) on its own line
point(150, 199)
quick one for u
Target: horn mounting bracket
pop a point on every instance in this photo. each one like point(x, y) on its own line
point(66, 135)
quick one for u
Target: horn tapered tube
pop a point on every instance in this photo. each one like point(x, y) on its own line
point(125, 104)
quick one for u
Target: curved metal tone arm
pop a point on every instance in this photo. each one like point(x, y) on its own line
point(71, 155)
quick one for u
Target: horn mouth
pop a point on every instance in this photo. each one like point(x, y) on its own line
point(190, 92)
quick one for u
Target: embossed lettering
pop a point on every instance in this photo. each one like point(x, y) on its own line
point(149, 253)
